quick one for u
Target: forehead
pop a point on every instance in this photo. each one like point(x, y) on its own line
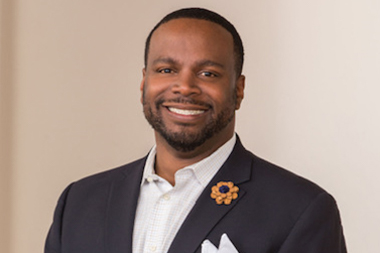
point(191, 36)
point(201, 26)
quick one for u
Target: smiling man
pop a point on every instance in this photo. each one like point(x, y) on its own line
point(198, 189)
point(190, 91)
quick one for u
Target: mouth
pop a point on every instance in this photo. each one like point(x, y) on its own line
point(185, 112)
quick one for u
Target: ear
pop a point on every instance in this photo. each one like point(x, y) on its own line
point(240, 84)
point(142, 85)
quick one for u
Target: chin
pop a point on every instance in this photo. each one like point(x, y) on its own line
point(185, 141)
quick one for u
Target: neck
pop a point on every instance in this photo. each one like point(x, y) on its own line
point(169, 160)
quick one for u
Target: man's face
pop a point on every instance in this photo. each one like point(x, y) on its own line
point(189, 89)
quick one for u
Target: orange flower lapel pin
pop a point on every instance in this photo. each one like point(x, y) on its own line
point(224, 192)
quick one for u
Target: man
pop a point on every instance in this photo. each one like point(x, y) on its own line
point(198, 189)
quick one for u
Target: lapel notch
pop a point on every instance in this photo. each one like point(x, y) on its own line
point(121, 208)
point(206, 214)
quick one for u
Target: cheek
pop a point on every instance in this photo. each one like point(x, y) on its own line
point(154, 85)
point(151, 90)
point(222, 97)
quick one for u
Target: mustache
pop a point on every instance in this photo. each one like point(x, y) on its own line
point(182, 100)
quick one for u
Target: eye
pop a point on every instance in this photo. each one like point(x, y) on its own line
point(165, 71)
point(208, 74)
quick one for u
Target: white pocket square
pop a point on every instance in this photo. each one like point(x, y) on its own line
point(225, 246)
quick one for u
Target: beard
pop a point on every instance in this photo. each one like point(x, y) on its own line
point(185, 140)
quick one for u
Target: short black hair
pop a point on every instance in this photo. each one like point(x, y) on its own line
point(203, 14)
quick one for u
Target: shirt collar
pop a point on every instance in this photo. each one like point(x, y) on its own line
point(204, 170)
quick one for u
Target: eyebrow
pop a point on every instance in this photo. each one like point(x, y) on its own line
point(210, 63)
point(170, 60)
point(165, 60)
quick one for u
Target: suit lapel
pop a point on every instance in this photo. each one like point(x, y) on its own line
point(121, 208)
point(206, 213)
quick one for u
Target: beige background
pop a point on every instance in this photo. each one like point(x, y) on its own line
point(70, 75)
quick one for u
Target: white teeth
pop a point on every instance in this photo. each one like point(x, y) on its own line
point(185, 112)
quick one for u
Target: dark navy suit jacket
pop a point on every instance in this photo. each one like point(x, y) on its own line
point(276, 212)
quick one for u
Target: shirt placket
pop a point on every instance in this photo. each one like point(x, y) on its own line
point(157, 228)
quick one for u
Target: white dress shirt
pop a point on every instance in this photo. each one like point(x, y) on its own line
point(162, 208)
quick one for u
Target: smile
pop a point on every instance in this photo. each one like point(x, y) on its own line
point(185, 112)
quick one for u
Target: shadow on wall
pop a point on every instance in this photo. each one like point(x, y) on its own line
point(6, 53)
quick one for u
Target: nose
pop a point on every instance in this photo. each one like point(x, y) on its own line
point(186, 84)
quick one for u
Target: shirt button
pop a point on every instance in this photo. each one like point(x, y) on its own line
point(153, 248)
point(166, 197)
point(150, 180)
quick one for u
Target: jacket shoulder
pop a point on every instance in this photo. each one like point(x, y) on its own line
point(112, 174)
point(282, 181)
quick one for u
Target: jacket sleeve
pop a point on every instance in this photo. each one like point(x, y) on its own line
point(317, 230)
point(53, 240)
